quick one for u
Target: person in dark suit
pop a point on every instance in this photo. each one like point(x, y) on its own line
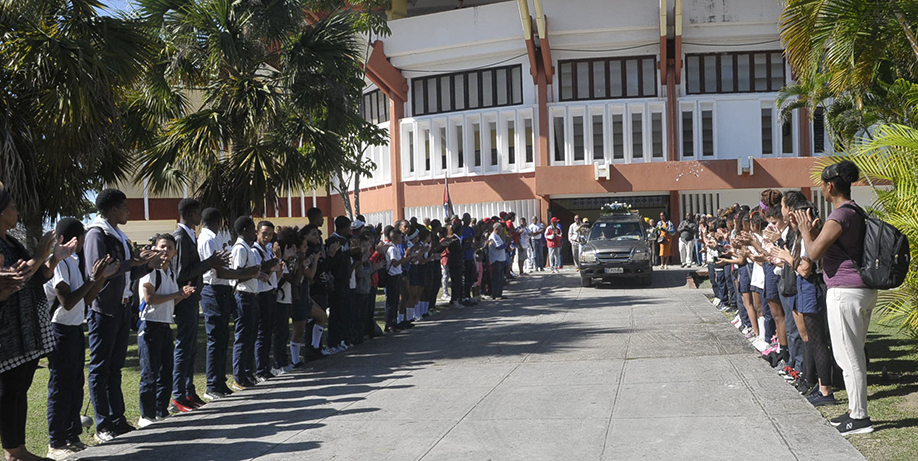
point(189, 271)
point(110, 316)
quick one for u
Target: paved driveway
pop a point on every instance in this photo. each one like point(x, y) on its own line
point(555, 372)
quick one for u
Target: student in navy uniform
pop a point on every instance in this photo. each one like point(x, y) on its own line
point(189, 270)
point(110, 317)
point(217, 302)
point(68, 292)
point(154, 335)
point(267, 295)
point(243, 257)
point(340, 299)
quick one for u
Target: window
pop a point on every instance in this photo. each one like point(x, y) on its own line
point(511, 143)
point(598, 133)
point(707, 133)
point(656, 134)
point(637, 136)
point(688, 133)
point(743, 72)
point(410, 152)
point(492, 128)
point(787, 137)
point(819, 131)
point(578, 138)
point(558, 126)
point(443, 150)
point(425, 141)
point(618, 137)
point(476, 132)
point(500, 86)
point(608, 78)
point(767, 139)
point(375, 107)
point(460, 147)
point(530, 135)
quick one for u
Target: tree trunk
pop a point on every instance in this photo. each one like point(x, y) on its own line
point(345, 197)
point(34, 230)
point(356, 194)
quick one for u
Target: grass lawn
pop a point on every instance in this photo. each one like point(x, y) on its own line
point(892, 388)
point(892, 379)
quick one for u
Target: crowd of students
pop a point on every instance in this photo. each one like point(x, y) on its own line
point(285, 290)
point(794, 285)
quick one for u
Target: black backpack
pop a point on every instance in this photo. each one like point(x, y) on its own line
point(886, 255)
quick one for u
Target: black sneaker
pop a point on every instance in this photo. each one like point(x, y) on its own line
point(105, 435)
point(213, 394)
point(123, 428)
point(856, 426)
point(838, 420)
point(819, 400)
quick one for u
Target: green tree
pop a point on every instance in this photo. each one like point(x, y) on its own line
point(268, 98)
point(64, 73)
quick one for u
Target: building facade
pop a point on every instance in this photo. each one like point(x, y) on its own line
point(552, 108)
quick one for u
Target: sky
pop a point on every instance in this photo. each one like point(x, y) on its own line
point(117, 4)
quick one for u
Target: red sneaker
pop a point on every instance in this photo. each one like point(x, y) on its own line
point(196, 401)
point(181, 406)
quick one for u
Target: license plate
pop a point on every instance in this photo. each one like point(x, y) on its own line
point(615, 270)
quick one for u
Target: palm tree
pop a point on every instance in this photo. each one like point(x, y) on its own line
point(273, 90)
point(65, 69)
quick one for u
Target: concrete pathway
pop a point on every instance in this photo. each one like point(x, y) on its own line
point(555, 372)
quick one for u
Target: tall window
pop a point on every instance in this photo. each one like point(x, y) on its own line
point(476, 132)
point(688, 133)
point(767, 138)
point(618, 137)
point(819, 131)
point(492, 128)
point(460, 147)
point(707, 132)
point(511, 143)
point(495, 87)
point(656, 133)
point(375, 107)
point(558, 125)
point(637, 136)
point(598, 133)
point(578, 137)
point(529, 140)
point(443, 150)
point(744, 72)
point(608, 78)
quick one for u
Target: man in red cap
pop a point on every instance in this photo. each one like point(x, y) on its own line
point(553, 240)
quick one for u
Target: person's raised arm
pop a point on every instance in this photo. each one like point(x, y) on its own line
point(817, 242)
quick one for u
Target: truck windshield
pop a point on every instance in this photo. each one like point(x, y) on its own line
point(616, 231)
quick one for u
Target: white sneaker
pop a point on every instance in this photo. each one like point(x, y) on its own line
point(288, 368)
point(277, 371)
point(759, 344)
point(144, 422)
point(61, 453)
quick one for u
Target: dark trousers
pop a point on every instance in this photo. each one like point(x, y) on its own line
point(456, 285)
point(497, 279)
point(469, 277)
point(186, 348)
point(729, 281)
point(393, 295)
point(218, 305)
point(14, 404)
point(244, 345)
point(362, 306)
point(154, 345)
point(281, 335)
point(108, 341)
point(538, 253)
point(263, 341)
point(716, 279)
point(369, 320)
point(65, 384)
point(341, 316)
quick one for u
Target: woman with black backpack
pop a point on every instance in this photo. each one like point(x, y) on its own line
point(849, 301)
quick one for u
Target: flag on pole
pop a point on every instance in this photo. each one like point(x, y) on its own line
point(447, 202)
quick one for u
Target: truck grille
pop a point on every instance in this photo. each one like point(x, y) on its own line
point(614, 257)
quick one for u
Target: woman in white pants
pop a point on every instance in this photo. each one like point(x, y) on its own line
point(849, 301)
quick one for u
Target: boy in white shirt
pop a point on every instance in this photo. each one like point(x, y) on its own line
point(154, 336)
point(68, 292)
point(246, 321)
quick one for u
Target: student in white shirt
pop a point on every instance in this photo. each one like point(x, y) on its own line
point(68, 292)
point(267, 299)
point(154, 336)
point(217, 302)
point(246, 320)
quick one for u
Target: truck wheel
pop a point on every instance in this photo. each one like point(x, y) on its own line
point(586, 281)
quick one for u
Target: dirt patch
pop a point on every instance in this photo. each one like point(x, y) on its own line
point(910, 403)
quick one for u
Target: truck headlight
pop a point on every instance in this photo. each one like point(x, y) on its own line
point(640, 255)
point(588, 257)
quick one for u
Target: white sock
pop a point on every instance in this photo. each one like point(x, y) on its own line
point(762, 328)
point(295, 353)
point(410, 314)
point(317, 331)
point(401, 318)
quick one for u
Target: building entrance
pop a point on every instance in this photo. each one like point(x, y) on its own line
point(648, 206)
